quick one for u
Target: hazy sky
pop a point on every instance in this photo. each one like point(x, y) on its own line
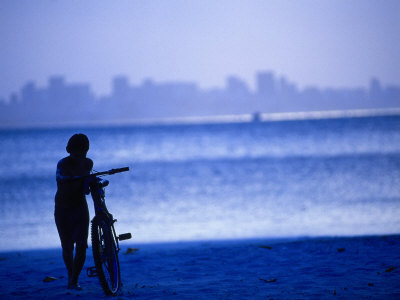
point(338, 43)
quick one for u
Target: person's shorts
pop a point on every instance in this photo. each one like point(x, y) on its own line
point(73, 226)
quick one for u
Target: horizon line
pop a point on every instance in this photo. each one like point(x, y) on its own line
point(219, 119)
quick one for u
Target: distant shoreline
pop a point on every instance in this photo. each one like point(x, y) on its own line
point(217, 119)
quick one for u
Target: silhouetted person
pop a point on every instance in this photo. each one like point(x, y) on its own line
point(71, 210)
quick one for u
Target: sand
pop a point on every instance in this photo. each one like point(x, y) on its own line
point(306, 268)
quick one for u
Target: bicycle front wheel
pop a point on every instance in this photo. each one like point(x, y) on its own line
point(105, 256)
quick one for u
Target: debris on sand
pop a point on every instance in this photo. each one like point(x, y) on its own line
point(49, 278)
point(390, 269)
point(268, 280)
point(266, 247)
point(131, 250)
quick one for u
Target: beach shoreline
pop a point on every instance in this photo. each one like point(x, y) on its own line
point(301, 268)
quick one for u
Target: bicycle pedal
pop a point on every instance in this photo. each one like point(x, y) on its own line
point(125, 236)
point(91, 272)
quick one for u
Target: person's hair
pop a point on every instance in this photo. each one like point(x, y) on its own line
point(78, 143)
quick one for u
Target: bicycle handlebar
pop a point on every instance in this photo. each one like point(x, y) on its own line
point(109, 172)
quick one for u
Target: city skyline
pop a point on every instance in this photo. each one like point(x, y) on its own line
point(62, 102)
point(333, 43)
point(229, 79)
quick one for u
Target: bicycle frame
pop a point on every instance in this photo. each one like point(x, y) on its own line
point(105, 242)
point(97, 190)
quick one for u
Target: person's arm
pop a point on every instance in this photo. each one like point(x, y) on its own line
point(63, 178)
point(90, 165)
point(88, 180)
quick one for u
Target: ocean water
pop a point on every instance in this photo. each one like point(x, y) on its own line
point(328, 177)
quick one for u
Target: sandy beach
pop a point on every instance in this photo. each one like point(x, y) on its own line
point(307, 268)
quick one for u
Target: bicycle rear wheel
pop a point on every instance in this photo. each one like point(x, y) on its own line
point(105, 256)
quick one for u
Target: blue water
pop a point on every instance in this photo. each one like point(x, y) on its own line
point(336, 177)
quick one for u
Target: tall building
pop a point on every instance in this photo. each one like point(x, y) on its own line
point(375, 89)
point(120, 86)
point(266, 85)
point(236, 86)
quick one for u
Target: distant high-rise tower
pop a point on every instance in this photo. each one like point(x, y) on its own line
point(28, 91)
point(375, 89)
point(56, 83)
point(56, 90)
point(236, 86)
point(120, 87)
point(266, 86)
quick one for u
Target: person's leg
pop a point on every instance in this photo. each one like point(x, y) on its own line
point(80, 236)
point(79, 261)
point(64, 231)
point(69, 262)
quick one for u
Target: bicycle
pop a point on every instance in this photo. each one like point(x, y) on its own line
point(105, 242)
